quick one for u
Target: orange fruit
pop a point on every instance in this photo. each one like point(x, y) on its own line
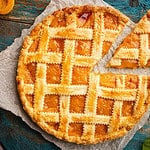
point(6, 6)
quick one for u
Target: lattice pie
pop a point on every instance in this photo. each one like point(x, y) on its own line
point(58, 87)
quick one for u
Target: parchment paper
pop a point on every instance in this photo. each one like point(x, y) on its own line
point(9, 99)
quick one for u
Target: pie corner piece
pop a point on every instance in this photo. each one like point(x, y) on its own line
point(56, 84)
point(133, 52)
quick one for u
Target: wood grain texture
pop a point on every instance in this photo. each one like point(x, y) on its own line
point(17, 135)
point(21, 17)
point(6, 38)
point(14, 133)
point(134, 13)
point(25, 11)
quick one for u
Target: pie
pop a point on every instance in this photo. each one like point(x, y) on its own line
point(58, 87)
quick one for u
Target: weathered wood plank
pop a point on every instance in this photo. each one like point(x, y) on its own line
point(9, 31)
point(17, 135)
point(26, 10)
point(22, 16)
point(134, 13)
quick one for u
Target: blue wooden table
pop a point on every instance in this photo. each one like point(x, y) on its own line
point(14, 133)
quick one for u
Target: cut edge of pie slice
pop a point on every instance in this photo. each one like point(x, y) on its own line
point(57, 88)
point(134, 52)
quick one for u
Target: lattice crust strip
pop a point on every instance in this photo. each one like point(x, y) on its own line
point(79, 106)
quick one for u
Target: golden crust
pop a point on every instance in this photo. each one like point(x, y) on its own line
point(56, 84)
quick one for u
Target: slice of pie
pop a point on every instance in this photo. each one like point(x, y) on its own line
point(58, 88)
point(134, 52)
